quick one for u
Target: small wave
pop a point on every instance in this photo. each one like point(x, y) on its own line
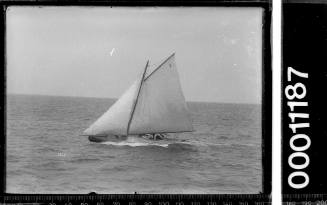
point(138, 142)
point(232, 145)
point(50, 164)
point(235, 166)
point(244, 145)
point(199, 143)
point(241, 135)
point(118, 168)
point(219, 144)
point(182, 146)
point(81, 160)
point(20, 172)
point(223, 137)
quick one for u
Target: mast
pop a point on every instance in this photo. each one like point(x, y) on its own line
point(138, 93)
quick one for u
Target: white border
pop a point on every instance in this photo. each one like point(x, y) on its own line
point(276, 102)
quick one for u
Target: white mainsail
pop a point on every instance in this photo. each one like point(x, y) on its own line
point(161, 106)
point(153, 104)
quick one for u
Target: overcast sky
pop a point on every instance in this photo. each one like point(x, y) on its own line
point(98, 52)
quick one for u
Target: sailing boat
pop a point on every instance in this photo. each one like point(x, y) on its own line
point(153, 105)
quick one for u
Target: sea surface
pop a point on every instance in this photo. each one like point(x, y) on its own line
point(46, 154)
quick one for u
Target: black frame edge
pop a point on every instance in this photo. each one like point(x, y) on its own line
point(3, 102)
point(198, 3)
point(267, 103)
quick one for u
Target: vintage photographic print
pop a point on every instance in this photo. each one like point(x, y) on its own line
point(112, 100)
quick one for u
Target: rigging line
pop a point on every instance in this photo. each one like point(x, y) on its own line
point(138, 93)
point(159, 66)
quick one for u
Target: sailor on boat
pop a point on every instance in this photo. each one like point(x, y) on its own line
point(154, 136)
point(153, 104)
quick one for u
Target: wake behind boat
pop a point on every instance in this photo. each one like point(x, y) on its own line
point(152, 107)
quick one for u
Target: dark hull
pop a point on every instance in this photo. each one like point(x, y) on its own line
point(111, 138)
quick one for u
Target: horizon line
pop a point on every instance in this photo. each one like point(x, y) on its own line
point(113, 98)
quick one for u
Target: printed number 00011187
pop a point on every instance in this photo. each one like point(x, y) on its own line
point(296, 93)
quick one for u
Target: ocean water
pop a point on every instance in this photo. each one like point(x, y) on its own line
point(45, 153)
